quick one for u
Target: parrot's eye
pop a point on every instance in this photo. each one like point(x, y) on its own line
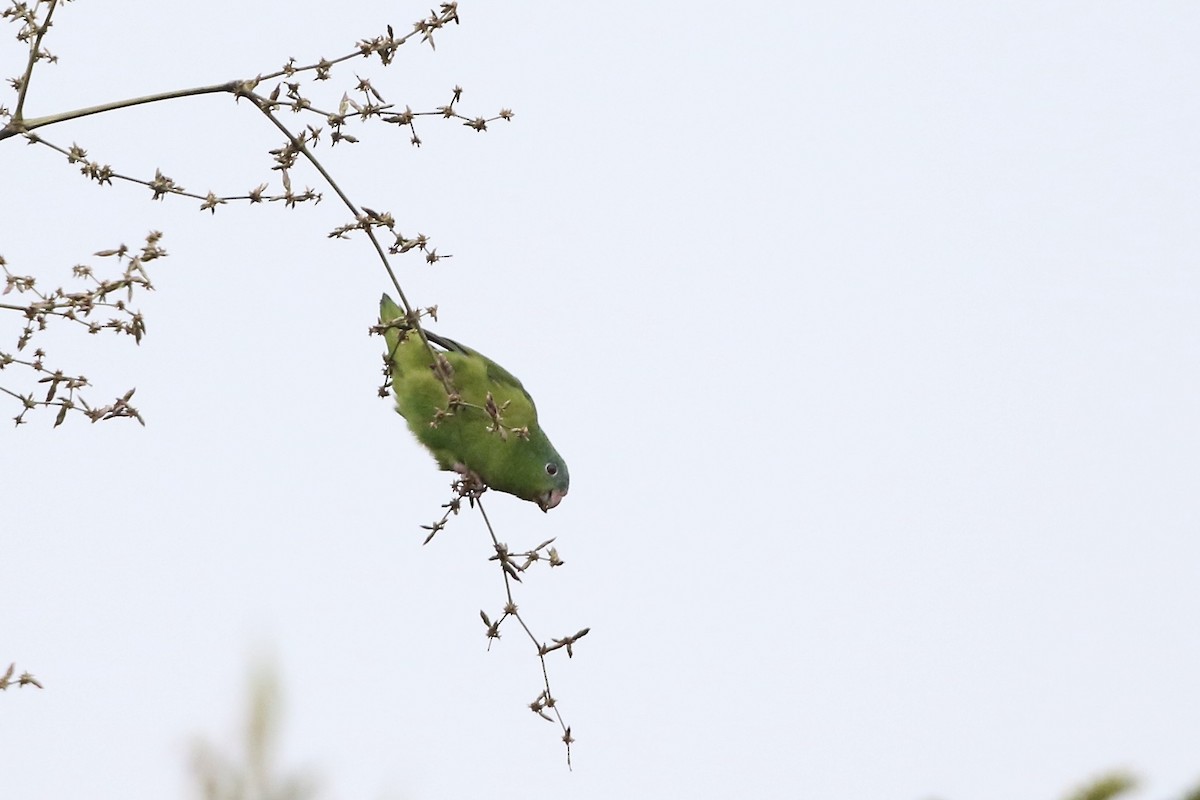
point(552, 469)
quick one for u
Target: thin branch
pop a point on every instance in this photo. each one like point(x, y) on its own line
point(510, 571)
point(34, 48)
point(412, 317)
point(19, 125)
point(264, 106)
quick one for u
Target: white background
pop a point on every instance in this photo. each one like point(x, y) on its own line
point(869, 332)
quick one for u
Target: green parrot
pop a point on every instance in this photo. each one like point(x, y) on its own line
point(493, 431)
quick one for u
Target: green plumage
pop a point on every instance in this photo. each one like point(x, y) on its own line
point(517, 458)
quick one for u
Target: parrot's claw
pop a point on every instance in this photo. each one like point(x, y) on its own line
point(469, 476)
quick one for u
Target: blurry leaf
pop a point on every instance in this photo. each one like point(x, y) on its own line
point(1103, 788)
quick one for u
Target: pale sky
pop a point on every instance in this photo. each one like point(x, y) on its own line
point(869, 331)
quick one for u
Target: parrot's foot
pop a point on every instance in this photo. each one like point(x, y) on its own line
point(466, 472)
point(471, 483)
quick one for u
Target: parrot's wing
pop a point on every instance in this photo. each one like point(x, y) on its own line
point(495, 372)
point(447, 344)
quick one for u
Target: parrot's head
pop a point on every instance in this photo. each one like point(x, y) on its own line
point(560, 481)
point(533, 470)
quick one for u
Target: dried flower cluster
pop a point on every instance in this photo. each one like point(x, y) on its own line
point(84, 306)
point(24, 679)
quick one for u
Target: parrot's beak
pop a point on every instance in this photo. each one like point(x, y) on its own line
point(551, 499)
